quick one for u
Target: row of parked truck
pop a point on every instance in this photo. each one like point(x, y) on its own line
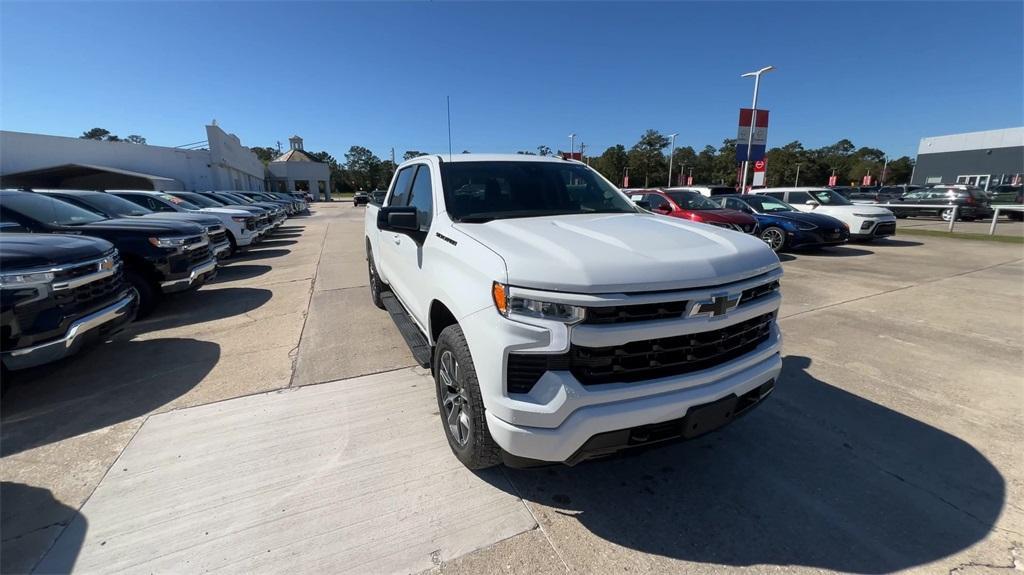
point(76, 265)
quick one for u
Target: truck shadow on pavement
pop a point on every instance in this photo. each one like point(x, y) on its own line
point(32, 520)
point(237, 272)
point(107, 385)
point(193, 308)
point(258, 254)
point(815, 477)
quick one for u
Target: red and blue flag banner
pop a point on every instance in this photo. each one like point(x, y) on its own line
point(760, 141)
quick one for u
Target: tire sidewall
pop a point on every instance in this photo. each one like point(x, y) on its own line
point(480, 450)
point(145, 291)
point(781, 232)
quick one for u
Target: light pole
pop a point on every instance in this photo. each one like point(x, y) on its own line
point(572, 144)
point(885, 164)
point(753, 120)
point(625, 178)
point(797, 181)
point(670, 153)
point(690, 177)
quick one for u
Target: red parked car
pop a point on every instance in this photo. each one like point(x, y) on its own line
point(695, 207)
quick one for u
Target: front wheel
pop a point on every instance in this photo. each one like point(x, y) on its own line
point(376, 286)
point(145, 293)
point(460, 404)
point(947, 214)
point(774, 237)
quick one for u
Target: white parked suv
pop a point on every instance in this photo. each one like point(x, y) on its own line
point(866, 222)
point(560, 321)
point(706, 191)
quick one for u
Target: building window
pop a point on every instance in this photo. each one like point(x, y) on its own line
point(301, 185)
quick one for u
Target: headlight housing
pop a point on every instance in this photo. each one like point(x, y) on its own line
point(21, 280)
point(805, 226)
point(168, 243)
point(509, 306)
point(239, 219)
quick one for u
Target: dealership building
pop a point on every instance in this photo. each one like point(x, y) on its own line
point(220, 162)
point(982, 159)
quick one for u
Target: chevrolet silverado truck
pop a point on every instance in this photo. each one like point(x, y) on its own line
point(160, 256)
point(562, 322)
point(58, 293)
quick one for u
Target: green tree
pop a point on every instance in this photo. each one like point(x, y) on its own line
point(543, 150)
point(410, 154)
point(135, 139)
point(647, 158)
point(266, 155)
point(385, 171)
point(526, 153)
point(361, 167)
point(725, 164)
point(612, 163)
point(95, 134)
point(899, 170)
point(683, 160)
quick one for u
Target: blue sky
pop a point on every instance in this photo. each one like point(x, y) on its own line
point(519, 75)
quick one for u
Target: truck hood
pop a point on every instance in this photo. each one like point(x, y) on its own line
point(185, 217)
point(30, 251)
point(141, 226)
point(620, 253)
point(240, 212)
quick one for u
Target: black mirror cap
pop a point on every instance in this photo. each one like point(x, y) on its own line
point(643, 204)
point(398, 219)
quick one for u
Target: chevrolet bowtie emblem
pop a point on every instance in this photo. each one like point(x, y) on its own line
point(718, 305)
point(106, 264)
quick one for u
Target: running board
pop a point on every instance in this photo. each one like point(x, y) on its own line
point(410, 332)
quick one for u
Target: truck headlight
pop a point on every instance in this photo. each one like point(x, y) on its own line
point(21, 280)
point(509, 306)
point(169, 243)
point(239, 219)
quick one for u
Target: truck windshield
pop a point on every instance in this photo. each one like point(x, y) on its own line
point(199, 200)
point(113, 205)
point(484, 191)
point(49, 210)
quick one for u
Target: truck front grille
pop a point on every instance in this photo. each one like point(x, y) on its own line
point(663, 357)
point(199, 255)
point(636, 312)
point(218, 237)
point(642, 360)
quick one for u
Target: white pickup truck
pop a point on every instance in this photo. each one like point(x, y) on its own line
point(562, 322)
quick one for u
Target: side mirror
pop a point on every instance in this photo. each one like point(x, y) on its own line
point(399, 219)
point(663, 210)
point(811, 203)
point(643, 204)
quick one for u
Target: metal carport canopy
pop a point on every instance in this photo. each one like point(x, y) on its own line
point(88, 177)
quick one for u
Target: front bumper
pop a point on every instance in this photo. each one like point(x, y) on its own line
point(196, 276)
point(811, 238)
point(102, 322)
point(559, 415)
point(874, 228)
point(221, 250)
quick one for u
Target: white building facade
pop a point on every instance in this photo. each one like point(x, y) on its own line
point(42, 161)
point(297, 171)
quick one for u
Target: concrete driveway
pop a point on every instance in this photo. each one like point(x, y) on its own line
point(273, 422)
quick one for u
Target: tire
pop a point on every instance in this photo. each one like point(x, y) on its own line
point(775, 237)
point(145, 291)
point(377, 286)
point(234, 245)
point(460, 404)
point(947, 213)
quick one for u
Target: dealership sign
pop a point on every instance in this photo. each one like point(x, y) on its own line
point(760, 134)
point(759, 169)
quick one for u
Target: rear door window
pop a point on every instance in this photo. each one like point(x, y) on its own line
point(799, 198)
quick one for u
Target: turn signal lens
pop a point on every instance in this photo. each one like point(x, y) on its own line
point(499, 292)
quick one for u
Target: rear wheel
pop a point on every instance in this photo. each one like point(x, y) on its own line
point(947, 214)
point(145, 293)
point(775, 237)
point(460, 404)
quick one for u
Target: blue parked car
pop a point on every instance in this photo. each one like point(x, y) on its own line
point(783, 227)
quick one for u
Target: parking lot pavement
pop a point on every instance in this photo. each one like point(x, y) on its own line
point(892, 440)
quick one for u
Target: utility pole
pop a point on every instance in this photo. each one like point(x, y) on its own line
point(392, 154)
point(671, 152)
point(885, 164)
point(625, 178)
point(691, 176)
point(797, 181)
point(572, 144)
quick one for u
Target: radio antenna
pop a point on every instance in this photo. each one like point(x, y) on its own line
point(449, 100)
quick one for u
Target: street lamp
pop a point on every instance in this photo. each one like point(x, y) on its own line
point(572, 144)
point(796, 182)
point(753, 120)
point(670, 153)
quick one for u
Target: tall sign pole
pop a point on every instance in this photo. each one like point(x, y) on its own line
point(753, 122)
